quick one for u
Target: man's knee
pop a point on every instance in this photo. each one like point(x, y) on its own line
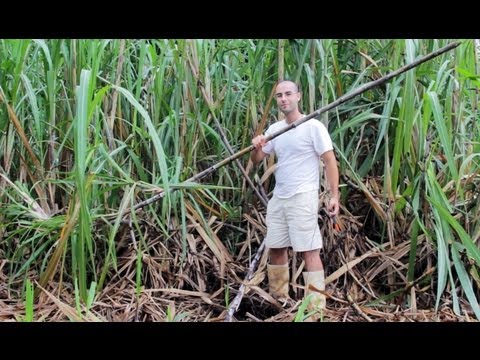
point(312, 260)
point(278, 256)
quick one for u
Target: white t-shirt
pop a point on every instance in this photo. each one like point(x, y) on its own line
point(298, 152)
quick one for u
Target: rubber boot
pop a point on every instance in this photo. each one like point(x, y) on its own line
point(278, 279)
point(315, 281)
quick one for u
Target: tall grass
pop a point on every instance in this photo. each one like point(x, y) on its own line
point(89, 127)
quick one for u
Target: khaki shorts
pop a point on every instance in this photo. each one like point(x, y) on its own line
point(294, 222)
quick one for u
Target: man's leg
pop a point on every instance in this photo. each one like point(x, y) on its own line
point(278, 256)
point(314, 279)
point(312, 260)
point(302, 216)
point(277, 241)
point(278, 273)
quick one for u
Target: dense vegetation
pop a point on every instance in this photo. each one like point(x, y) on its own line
point(89, 128)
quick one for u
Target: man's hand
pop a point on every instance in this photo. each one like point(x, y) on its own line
point(257, 154)
point(258, 142)
point(333, 207)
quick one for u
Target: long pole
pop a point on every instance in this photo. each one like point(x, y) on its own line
point(330, 106)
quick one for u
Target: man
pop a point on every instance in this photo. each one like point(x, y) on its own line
point(292, 213)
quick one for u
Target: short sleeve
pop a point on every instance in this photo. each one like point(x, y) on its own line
point(321, 138)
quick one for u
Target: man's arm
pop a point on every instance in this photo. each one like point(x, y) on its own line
point(257, 155)
point(331, 170)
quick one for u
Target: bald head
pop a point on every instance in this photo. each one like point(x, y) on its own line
point(291, 84)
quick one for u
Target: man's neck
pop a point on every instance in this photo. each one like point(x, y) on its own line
point(293, 116)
